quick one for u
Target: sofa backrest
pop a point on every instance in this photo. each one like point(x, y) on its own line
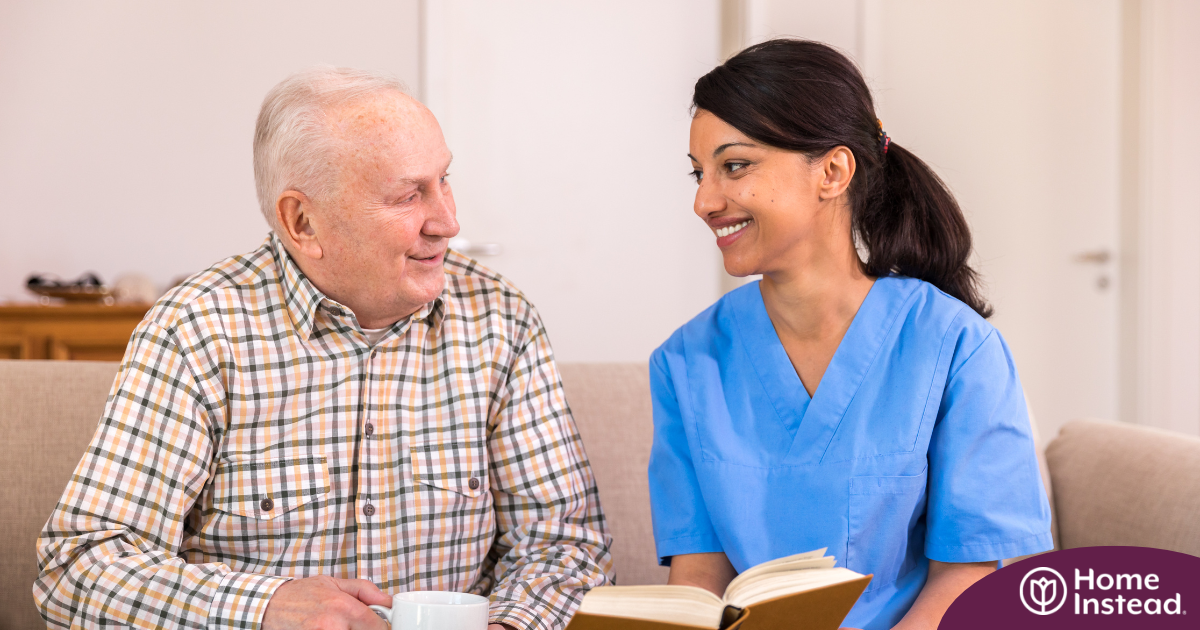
point(48, 413)
point(611, 405)
point(1122, 484)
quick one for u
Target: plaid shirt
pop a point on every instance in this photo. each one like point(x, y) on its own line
point(253, 435)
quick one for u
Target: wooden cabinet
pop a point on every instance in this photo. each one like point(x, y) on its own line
point(71, 332)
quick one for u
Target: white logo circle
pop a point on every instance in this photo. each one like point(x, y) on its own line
point(1043, 592)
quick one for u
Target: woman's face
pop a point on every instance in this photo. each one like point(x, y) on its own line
point(770, 209)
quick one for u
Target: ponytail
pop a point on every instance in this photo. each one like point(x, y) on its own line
point(804, 96)
point(915, 228)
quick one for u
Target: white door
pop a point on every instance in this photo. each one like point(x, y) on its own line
point(569, 127)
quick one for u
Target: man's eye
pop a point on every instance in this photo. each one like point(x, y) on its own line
point(442, 180)
point(697, 175)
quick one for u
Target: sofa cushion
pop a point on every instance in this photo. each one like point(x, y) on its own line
point(49, 412)
point(1121, 484)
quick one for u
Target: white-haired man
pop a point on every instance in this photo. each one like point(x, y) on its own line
point(349, 410)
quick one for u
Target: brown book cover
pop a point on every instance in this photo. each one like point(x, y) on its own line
point(819, 609)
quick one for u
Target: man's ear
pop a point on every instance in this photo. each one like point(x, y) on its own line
point(293, 215)
point(837, 169)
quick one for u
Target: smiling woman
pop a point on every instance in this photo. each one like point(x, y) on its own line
point(840, 402)
point(908, 221)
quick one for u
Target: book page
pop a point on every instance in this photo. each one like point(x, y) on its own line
point(786, 583)
point(687, 605)
point(807, 560)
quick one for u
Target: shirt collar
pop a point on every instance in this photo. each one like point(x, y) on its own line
point(302, 298)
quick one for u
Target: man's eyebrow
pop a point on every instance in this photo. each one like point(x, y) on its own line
point(418, 181)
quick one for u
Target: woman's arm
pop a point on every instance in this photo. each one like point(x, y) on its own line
point(710, 571)
point(947, 580)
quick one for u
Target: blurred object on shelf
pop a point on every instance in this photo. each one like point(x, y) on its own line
point(88, 288)
point(135, 288)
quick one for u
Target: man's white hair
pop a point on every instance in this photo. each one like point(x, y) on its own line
point(291, 139)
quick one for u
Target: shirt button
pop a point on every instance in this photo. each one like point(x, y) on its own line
point(266, 504)
point(370, 429)
point(473, 483)
point(374, 353)
point(369, 509)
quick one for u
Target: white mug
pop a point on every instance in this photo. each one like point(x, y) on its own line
point(436, 610)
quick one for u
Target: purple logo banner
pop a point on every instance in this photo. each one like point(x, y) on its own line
point(1089, 587)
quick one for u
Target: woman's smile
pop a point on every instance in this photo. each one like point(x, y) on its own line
point(728, 234)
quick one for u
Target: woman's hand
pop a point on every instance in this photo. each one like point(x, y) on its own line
point(947, 580)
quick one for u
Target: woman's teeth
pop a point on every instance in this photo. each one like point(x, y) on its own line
point(726, 231)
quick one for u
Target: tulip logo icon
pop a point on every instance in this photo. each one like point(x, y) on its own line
point(1043, 591)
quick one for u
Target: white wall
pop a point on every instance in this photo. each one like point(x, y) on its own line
point(838, 24)
point(126, 126)
point(569, 126)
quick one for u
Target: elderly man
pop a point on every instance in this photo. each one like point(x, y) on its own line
point(348, 411)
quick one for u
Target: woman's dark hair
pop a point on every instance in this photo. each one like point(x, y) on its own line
point(807, 97)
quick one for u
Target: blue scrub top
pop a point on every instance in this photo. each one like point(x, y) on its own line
point(916, 445)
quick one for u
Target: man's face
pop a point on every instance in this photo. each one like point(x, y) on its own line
point(385, 225)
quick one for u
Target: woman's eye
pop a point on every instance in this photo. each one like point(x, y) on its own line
point(697, 175)
point(735, 166)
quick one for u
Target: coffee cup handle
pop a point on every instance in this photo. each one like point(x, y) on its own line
point(383, 611)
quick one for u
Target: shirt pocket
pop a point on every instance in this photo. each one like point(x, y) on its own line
point(268, 503)
point(456, 466)
point(884, 516)
point(454, 516)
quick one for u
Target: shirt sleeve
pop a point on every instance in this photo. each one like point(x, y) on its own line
point(553, 543)
point(679, 514)
point(110, 553)
point(986, 498)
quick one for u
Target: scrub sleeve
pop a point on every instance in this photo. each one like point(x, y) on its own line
point(981, 463)
point(680, 516)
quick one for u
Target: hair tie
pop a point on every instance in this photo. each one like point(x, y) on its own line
point(884, 140)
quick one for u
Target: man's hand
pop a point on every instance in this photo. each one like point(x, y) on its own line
point(325, 603)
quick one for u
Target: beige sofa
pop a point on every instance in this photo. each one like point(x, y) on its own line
point(1113, 484)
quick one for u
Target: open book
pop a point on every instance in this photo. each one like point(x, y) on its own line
point(801, 591)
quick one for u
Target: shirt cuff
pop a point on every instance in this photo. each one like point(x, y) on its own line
point(241, 600)
point(680, 545)
point(517, 615)
point(985, 552)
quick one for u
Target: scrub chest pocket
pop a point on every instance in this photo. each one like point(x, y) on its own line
point(881, 507)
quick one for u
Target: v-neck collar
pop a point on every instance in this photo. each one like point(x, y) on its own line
point(764, 351)
point(813, 421)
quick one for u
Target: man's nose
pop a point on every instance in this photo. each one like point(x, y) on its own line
point(441, 220)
